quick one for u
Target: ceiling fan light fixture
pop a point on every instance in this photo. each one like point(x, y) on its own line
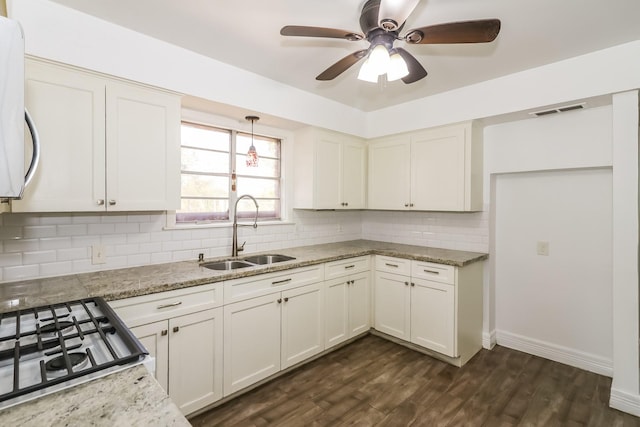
point(379, 59)
point(367, 73)
point(393, 13)
point(397, 68)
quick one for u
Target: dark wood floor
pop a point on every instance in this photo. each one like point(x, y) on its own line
point(373, 382)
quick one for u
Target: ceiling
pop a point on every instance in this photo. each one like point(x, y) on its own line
point(245, 33)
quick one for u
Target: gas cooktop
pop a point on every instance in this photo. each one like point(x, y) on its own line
point(48, 348)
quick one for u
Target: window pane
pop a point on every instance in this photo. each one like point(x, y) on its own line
point(194, 160)
point(266, 167)
point(203, 210)
point(267, 209)
point(205, 137)
point(268, 147)
point(204, 186)
point(256, 187)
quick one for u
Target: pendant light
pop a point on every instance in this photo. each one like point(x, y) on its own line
point(252, 154)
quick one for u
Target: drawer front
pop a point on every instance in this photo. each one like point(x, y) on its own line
point(242, 289)
point(344, 267)
point(435, 272)
point(164, 305)
point(393, 265)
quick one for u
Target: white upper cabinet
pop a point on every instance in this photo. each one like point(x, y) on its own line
point(437, 169)
point(330, 170)
point(106, 145)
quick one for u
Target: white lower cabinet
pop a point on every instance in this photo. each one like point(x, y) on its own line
point(347, 300)
point(266, 334)
point(435, 306)
point(183, 331)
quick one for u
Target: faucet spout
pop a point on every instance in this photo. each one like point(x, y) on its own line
point(234, 244)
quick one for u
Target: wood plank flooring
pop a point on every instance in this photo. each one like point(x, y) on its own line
point(374, 382)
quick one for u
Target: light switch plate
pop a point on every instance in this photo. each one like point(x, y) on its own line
point(98, 254)
point(543, 248)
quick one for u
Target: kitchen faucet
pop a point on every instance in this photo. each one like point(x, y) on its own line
point(234, 245)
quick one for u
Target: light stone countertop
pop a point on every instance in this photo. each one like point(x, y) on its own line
point(135, 281)
point(133, 397)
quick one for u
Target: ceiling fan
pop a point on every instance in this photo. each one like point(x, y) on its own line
point(381, 22)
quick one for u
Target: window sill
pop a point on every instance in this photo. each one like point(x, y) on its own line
point(222, 225)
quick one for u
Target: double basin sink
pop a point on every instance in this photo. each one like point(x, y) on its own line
point(250, 261)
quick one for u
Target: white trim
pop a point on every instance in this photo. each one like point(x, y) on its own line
point(625, 402)
point(489, 339)
point(568, 356)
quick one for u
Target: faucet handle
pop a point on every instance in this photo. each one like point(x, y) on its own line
point(241, 248)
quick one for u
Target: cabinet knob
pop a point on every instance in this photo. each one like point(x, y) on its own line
point(286, 299)
point(100, 202)
point(346, 203)
point(176, 328)
point(164, 332)
point(406, 283)
point(411, 205)
point(406, 205)
point(413, 284)
point(112, 202)
point(279, 300)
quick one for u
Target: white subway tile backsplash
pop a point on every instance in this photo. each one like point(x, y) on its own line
point(73, 254)
point(101, 228)
point(9, 260)
point(48, 243)
point(22, 245)
point(38, 231)
point(38, 257)
point(56, 268)
point(72, 230)
point(21, 272)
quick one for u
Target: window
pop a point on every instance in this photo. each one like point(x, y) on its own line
point(210, 156)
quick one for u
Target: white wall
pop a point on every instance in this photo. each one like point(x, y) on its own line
point(557, 306)
point(562, 142)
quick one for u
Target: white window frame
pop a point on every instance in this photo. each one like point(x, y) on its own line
point(286, 167)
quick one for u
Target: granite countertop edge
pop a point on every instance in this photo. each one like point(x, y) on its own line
point(149, 279)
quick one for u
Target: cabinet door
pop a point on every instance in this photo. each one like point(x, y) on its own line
point(143, 149)
point(392, 297)
point(68, 109)
point(336, 311)
point(354, 172)
point(328, 170)
point(389, 177)
point(302, 324)
point(438, 170)
point(251, 341)
point(195, 352)
point(359, 304)
point(433, 316)
point(154, 337)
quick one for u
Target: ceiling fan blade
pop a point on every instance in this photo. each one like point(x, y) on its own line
point(416, 70)
point(393, 13)
point(302, 31)
point(342, 65)
point(479, 31)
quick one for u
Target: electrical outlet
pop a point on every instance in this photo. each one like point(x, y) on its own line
point(543, 248)
point(98, 254)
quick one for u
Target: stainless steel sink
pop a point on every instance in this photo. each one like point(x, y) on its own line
point(226, 265)
point(267, 259)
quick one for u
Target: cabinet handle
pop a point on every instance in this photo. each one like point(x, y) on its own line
point(353, 281)
point(173, 304)
point(391, 265)
point(176, 328)
point(411, 205)
point(346, 203)
point(406, 205)
point(406, 283)
point(100, 202)
point(349, 266)
point(112, 202)
point(286, 299)
point(279, 300)
point(279, 282)
point(413, 284)
point(432, 271)
point(164, 332)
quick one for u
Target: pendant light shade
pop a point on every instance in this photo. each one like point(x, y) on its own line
point(252, 154)
point(397, 67)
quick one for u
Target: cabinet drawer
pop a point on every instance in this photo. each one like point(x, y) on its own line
point(345, 267)
point(164, 305)
point(393, 265)
point(431, 271)
point(241, 289)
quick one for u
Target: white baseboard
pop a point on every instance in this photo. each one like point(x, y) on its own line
point(625, 402)
point(489, 339)
point(568, 356)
